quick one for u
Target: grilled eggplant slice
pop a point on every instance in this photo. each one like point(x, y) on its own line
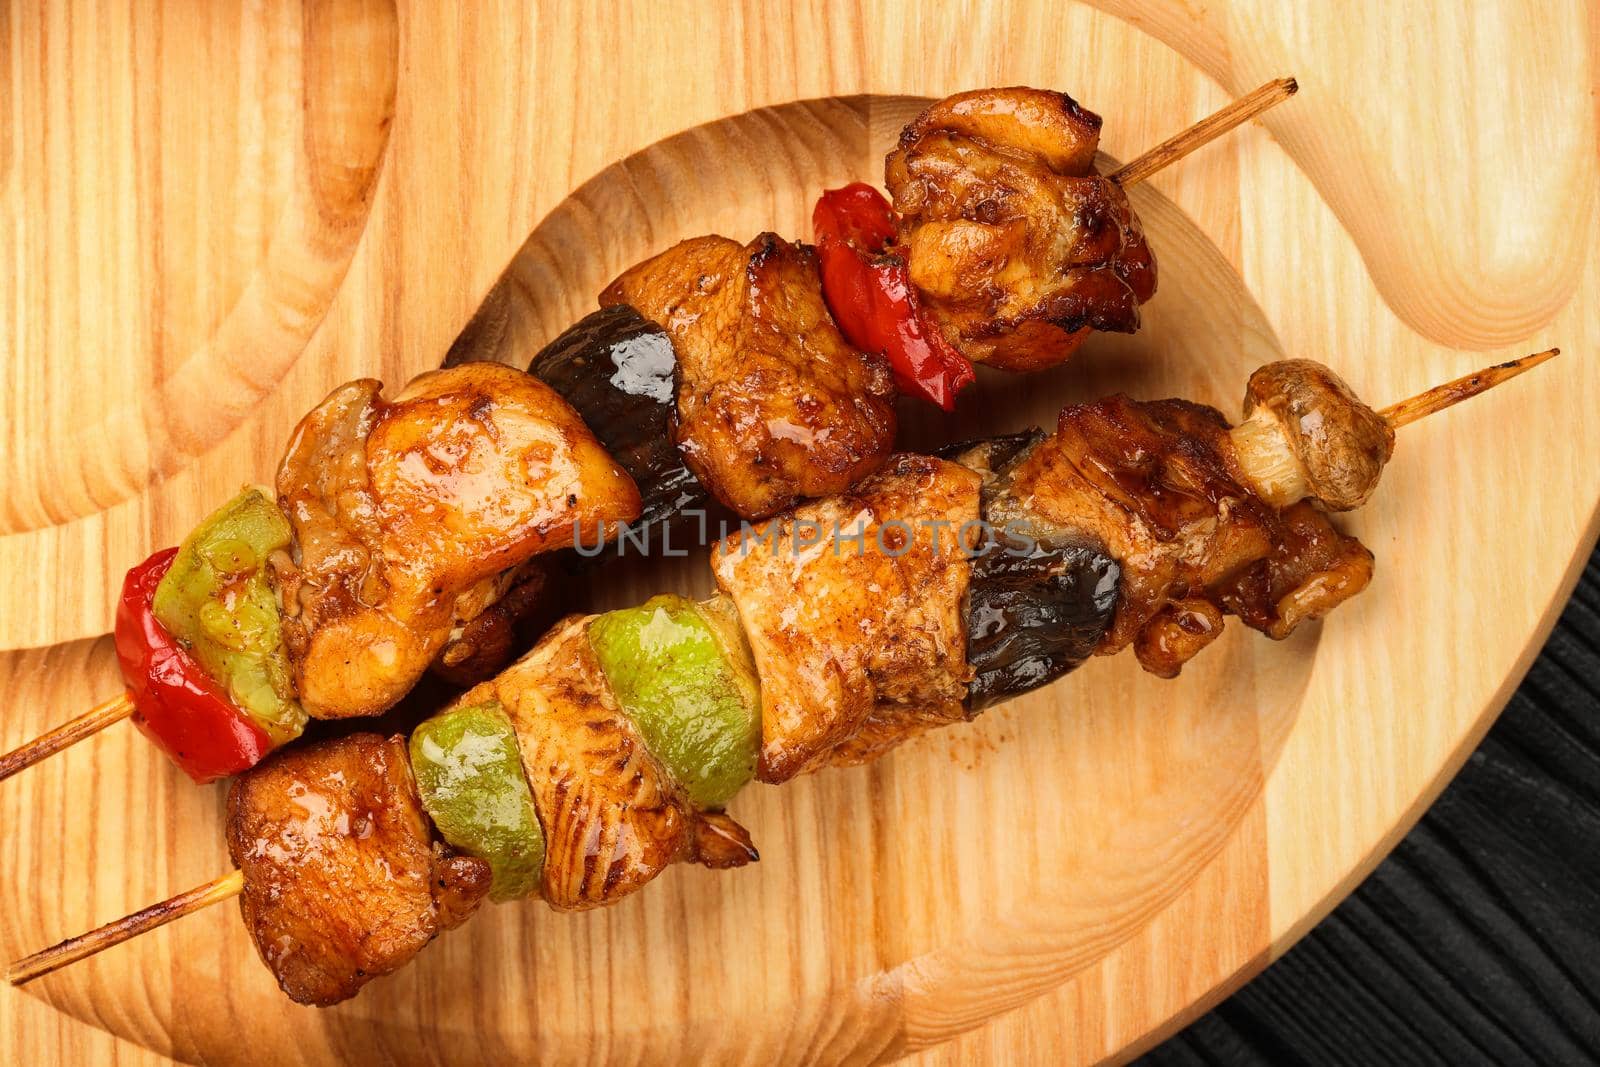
point(1040, 598)
point(619, 370)
point(1034, 612)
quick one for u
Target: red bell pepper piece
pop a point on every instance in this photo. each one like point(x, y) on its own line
point(869, 291)
point(176, 704)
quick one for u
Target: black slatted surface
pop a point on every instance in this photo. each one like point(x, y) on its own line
point(1478, 939)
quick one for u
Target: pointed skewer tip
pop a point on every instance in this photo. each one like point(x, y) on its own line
point(67, 734)
point(142, 921)
point(1208, 129)
point(1454, 392)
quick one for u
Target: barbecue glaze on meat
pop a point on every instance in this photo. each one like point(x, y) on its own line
point(1016, 246)
point(613, 817)
point(1158, 483)
point(404, 509)
point(1148, 523)
point(343, 880)
point(773, 404)
point(854, 634)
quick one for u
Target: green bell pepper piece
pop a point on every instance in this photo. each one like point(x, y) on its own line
point(684, 676)
point(219, 603)
point(468, 768)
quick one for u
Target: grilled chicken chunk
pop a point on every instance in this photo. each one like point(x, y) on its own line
point(485, 627)
point(773, 404)
point(343, 880)
point(613, 817)
point(853, 609)
point(403, 508)
point(1016, 246)
point(889, 726)
point(1159, 485)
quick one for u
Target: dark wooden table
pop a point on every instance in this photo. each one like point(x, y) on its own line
point(1478, 939)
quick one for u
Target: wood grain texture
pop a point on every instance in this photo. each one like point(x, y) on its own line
point(198, 177)
point(1476, 940)
point(1071, 877)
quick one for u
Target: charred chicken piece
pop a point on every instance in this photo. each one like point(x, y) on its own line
point(1159, 485)
point(613, 817)
point(1016, 246)
point(401, 508)
point(853, 610)
point(1312, 570)
point(773, 405)
point(343, 880)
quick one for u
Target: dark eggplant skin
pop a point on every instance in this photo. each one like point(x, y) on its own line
point(619, 372)
point(992, 455)
point(1039, 600)
point(1034, 612)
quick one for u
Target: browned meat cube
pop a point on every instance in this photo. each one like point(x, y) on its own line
point(613, 816)
point(406, 514)
point(1158, 483)
point(343, 881)
point(1016, 246)
point(774, 405)
point(845, 629)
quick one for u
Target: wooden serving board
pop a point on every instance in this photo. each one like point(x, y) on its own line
point(213, 217)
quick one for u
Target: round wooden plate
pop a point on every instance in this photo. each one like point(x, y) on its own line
point(224, 215)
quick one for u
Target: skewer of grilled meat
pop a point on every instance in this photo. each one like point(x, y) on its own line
point(934, 588)
point(1016, 246)
point(399, 530)
point(713, 370)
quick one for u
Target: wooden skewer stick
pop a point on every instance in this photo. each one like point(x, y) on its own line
point(114, 933)
point(1442, 396)
point(92, 721)
point(1205, 131)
